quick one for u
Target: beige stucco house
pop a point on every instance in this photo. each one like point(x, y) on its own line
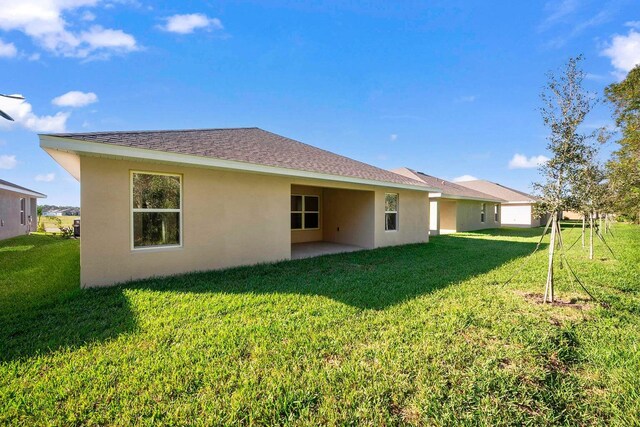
point(158, 203)
point(18, 210)
point(454, 208)
point(517, 207)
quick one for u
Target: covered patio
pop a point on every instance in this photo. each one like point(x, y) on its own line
point(313, 249)
point(327, 220)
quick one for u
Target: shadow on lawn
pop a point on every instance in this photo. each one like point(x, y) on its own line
point(42, 307)
point(373, 279)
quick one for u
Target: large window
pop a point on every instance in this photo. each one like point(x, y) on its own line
point(156, 201)
point(391, 211)
point(305, 212)
point(483, 212)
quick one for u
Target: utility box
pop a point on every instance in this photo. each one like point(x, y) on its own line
point(76, 228)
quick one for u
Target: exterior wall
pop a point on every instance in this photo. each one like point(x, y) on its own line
point(10, 214)
point(518, 215)
point(228, 219)
point(468, 216)
point(434, 217)
point(349, 217)
point(571, 215)
point(413, 218)
point(448, 214)
point(299, 236)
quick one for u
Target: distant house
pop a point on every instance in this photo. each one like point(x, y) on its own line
point(18, 210)
point(62, 212)
point(517, 207)
point(456, 208)
point(166, 202)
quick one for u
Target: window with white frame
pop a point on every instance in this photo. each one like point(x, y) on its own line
point(496, 212)
point(156, 209)
point(483, 212)
point(391, 211)
point(23, 208)
point(305, 212)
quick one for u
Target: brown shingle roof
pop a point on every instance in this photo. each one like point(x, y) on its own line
point(250, 145)
point(448, 188)
point(18, 188)
point(498, 190)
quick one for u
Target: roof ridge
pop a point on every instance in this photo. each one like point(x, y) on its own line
point(344, 157)
point(150, 131)
point(455, 184)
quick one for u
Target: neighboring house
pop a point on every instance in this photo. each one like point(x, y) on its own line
point(18, 210)
point(455, 208)
point(571, 215)
point(62, 212)
point(517, 207)
point(158, 203)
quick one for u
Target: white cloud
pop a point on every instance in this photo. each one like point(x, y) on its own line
point(22, 113)
point(624, 52)
point(47, 23)
point(520, 161)
point(7, 50)
point(557, 12)
point(75, 99)
point(393, 137)
point(464, 178)
point(633, 24)
point(88, 16)
point(45, 177)
point(467, 98)
point(8, 162)
point(186, 24)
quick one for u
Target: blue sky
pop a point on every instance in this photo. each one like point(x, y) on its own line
point(450, 88)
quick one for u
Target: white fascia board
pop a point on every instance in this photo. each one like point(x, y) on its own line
point(22, 191)
point(479, 199)
point(115, 151)
point(522, 202)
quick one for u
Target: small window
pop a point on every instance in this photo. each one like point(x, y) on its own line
point(391, 211)
point(483, 212)
point(156, 201)
point(305, 212)
point(23, 208)
point(496, 213)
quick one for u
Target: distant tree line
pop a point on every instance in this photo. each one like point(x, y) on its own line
point(47, 208)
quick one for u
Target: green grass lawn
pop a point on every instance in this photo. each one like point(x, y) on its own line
point(419, 334)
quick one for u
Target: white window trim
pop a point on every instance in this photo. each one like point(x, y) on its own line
point(303, 211)
point(23, 209)
point(395, 212)
point(483, 213)
point(496, 213)
point(132, 210)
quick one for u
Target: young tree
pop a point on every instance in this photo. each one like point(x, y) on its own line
point(624, 166)
point(565, 105)
point(589, 193)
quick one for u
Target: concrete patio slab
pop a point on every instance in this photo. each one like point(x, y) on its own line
point(313, 249)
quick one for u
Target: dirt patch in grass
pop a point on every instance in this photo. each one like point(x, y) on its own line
point(575, 303)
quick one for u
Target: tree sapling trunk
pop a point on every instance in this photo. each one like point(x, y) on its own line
point(591, 236)
point(548, 291)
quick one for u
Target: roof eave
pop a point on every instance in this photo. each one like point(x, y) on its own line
point(479, 199)
point(23, 191)
point(115, 151)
